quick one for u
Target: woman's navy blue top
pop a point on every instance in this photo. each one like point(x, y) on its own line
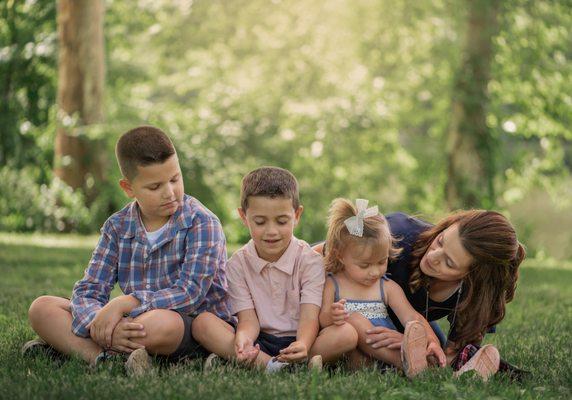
point(406, 229)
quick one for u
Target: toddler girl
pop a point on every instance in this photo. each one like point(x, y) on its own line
point(357, 291)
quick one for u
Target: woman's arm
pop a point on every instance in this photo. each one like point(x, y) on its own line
point(396, 299)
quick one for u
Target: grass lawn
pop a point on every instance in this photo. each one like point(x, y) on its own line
point(536, 335)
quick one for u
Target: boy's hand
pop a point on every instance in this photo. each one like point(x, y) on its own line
point(384, 337)
point(338, 312)
point(124, 331)
point(244, 349)
point(102, 326)
point(433, 349)
point(296, 352)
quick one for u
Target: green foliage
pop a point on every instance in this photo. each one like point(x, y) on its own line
point(25, 206)
point(28, 42)
point(353, 96)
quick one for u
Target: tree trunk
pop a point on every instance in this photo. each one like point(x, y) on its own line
point(470, 145)
point(78, 161)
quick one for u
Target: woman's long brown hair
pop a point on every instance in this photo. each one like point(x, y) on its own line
point(491, 282)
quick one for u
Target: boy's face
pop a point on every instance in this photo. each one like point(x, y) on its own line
point(158, 189)
point(271, 222)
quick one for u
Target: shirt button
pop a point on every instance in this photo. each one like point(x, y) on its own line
point(148, 286)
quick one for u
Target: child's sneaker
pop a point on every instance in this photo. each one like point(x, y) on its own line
point(211, 362)
point(485, 363)
point(315, 363)
point(414, 349)
point(38, 346)
point(274, 366)
point(138, 363)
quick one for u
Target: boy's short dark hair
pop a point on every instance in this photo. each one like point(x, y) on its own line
point(269, 182)
point(142, 146)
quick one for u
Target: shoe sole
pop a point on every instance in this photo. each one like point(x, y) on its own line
point(485, 363)
point(210, 362)
point(414, 349)
point(138, 363)
point(315, 363)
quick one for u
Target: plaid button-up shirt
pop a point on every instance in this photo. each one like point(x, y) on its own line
point(184, 270)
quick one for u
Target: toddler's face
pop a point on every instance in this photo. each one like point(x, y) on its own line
point(271, 222)
point(365, 263)
point(158, 189)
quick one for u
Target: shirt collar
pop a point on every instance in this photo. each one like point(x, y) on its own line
point(181, 219)
point(285, 263)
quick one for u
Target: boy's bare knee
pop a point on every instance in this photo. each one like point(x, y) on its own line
point(43, 307)
point(162, 327)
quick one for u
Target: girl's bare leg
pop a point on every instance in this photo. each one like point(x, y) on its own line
point(333, 341)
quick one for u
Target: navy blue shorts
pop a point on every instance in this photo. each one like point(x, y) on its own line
point(271, 344)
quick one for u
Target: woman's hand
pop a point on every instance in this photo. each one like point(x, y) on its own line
point(435, 350)
point(379, 336)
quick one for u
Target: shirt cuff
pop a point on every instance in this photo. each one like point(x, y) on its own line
point(145, 299)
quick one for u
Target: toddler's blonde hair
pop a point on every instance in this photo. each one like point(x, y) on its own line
point(375, 231)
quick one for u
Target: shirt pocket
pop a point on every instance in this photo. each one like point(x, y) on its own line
point(293, 303)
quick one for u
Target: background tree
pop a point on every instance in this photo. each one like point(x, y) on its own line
point(470, 145)
point(79, 161)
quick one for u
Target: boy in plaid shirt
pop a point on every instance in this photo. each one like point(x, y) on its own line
point(166, 251)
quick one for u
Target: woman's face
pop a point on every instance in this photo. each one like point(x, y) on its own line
point(446, 259)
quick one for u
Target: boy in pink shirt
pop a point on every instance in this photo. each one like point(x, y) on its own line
point(275, 285)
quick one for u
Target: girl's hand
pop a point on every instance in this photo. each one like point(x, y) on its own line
point(338, 312)
point(384, 337)
point(124, 332)
point(296, 352)
point(433, 349)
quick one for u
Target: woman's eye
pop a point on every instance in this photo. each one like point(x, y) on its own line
point(153, 188)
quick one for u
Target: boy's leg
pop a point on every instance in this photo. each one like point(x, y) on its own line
point(361, 324)
point(217, 336)
point(333, 341)
point(164, 331)
point(50, 317)
point(214, 334)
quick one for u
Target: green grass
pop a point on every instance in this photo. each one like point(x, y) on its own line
point(535, 335)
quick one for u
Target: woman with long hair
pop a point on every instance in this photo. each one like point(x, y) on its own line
point(464, 268)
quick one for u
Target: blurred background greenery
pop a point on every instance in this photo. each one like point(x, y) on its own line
point(358, 98)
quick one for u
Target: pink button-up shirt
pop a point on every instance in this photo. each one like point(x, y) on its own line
point(275, 290)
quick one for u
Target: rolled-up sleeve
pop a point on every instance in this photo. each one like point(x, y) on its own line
point(92, 292)
point(205, 254)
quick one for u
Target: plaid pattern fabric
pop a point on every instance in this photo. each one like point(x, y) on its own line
point(184, 270)
point(469, 351)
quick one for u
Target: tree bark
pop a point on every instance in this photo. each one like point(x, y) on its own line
point(470, 145)
point(79, 161)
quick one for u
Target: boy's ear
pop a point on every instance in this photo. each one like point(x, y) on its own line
point(242, 215)
point(298, 214)
point(126, 187)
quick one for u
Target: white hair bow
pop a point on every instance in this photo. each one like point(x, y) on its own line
point(355, 223)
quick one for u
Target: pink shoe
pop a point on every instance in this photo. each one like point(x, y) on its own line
point(414, 349)
point(485, 363)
